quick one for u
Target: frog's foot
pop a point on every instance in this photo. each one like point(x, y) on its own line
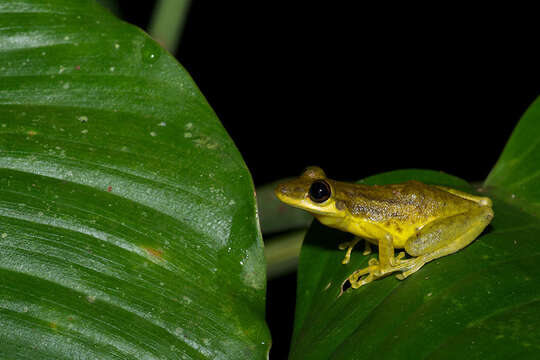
point(396, 261)
point(413, 265)
point(375, 270)
point(363, 276)
point(366, 275)
point(360, 281)
point(349, 246)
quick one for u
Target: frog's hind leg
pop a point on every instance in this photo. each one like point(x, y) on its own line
point(480, 200)
point(436, 239)
point(445, 237)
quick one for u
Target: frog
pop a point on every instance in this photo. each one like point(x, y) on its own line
point(426, 221)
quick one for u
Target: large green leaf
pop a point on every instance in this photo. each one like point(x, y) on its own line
point(516, 176)
point(480, 303)
point(127, 216)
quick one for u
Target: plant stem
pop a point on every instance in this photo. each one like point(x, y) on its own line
point(168, 21)
point(282, 253)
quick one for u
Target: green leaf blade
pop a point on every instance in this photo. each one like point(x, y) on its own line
point(417, 317)
point(516, 176)
point(127, 216)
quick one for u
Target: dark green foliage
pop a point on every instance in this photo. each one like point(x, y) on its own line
point(127, 215)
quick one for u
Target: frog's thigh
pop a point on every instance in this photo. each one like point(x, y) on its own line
point(448, 235)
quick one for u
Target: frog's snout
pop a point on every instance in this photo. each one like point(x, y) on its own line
point(281, 190)
point(291, 192)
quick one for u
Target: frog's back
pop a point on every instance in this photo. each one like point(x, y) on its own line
point(411, 203)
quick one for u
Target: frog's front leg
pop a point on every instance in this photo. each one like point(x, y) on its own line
point(386, 264)
point(367, 248)
point(349, 245)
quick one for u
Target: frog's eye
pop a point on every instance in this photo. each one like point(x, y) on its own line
point(319, 191)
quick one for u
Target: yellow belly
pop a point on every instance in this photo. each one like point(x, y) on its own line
point(375, 231)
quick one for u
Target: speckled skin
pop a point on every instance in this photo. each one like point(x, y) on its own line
point(427, 220)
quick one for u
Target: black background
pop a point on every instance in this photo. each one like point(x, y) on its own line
point(356, 91)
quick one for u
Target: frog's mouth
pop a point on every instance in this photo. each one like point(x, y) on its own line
point(289, 200)
point(308, 206)
point(317, 210)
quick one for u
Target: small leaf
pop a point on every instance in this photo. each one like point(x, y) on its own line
point(127, 216)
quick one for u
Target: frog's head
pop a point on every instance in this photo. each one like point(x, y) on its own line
point(312, 191)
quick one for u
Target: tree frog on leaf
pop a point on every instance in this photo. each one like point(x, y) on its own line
point(427, 221)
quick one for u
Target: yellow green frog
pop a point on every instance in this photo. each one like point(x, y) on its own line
point(428, 221)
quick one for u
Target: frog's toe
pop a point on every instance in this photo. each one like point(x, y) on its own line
point(356, 283)
point(417, 263)
point(404, 274)
point(398, 262)
point(361, 277)
point(373, 262)
point(346, 258)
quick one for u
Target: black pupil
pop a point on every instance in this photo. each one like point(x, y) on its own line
point(319, 191)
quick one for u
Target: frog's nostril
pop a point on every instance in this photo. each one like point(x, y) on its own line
point(283, 189)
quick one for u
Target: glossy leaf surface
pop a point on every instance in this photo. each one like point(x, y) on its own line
point(480, 303)
point(516, 176)
point(128, 227)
